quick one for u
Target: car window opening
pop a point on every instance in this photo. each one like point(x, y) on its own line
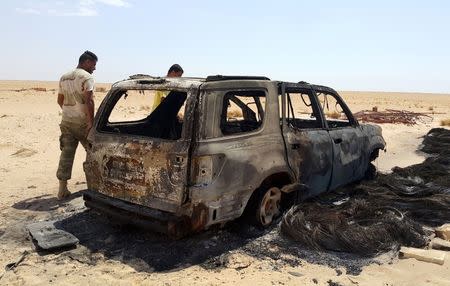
point(150, 113)
point(333, 111)
point(300, 111)
point(242, 111)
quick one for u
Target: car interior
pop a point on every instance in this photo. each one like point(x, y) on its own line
point(238, 116)
point(163, 122)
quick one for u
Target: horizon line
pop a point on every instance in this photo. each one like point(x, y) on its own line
point(340, 90)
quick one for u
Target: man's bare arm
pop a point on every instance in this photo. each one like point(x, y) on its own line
point(60, 99)
point(89, 99)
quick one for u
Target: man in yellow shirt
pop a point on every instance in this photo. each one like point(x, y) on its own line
point(174, 71)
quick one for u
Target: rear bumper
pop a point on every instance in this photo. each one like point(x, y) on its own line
point(141, 216)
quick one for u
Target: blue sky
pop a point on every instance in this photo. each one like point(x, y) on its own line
point(349, 45)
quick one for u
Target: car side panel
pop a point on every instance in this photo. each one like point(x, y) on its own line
point(350, 158)
point(311, 157)
point(239, 163)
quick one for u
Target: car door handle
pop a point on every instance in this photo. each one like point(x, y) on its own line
point(337, 140)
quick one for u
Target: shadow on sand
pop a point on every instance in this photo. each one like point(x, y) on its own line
point(148, 252)
point(45, 203)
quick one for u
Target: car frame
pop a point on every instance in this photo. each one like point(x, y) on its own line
point(181, 176)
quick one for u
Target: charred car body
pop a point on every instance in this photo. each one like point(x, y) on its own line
point(219, 147)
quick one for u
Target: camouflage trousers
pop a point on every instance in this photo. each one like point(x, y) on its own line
point(71, 134)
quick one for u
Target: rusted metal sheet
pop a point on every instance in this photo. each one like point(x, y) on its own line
point(139, 171)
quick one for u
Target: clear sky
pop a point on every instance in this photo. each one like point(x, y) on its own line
point(349, 45)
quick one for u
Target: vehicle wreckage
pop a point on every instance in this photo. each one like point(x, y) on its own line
point(220, 147)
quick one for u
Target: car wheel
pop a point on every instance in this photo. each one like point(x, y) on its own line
point(268, 207)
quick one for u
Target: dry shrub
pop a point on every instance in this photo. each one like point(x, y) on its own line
point(334, 115)
point(145, 107)
point(38, 88)
point(445, 122)
point(100, 89)
point(234, 113)
point(431, 108)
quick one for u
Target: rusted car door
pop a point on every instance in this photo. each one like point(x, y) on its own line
point(347, 139)
point(308, 144)
point(127, 164)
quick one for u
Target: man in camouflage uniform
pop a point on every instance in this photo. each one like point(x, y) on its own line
point(75, 97)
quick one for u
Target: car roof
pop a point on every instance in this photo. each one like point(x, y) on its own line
point(141, 80)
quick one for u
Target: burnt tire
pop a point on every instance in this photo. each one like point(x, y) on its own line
point(266, 207)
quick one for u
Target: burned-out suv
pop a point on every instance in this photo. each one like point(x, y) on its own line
point(182, 154)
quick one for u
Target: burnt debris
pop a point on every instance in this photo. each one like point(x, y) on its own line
point(393, 116)
point(379, 215)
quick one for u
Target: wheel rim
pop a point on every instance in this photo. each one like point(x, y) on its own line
point(270, 206)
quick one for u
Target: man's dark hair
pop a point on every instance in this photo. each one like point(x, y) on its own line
point(87, 55)
point(175, 68)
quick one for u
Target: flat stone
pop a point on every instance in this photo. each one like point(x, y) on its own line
point(438, 243)
point(296, 274)
point(48, 237)
point(443, 231)
point(426, 255)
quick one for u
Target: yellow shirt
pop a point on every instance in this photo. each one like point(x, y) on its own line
point(159, 95)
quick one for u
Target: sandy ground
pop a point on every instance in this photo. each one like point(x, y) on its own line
point(29, 152)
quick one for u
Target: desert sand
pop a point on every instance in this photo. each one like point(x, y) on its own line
point(29, 153)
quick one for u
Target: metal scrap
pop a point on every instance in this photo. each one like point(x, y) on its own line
point(12, 265)
point(48, 237)
point(393, 116)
